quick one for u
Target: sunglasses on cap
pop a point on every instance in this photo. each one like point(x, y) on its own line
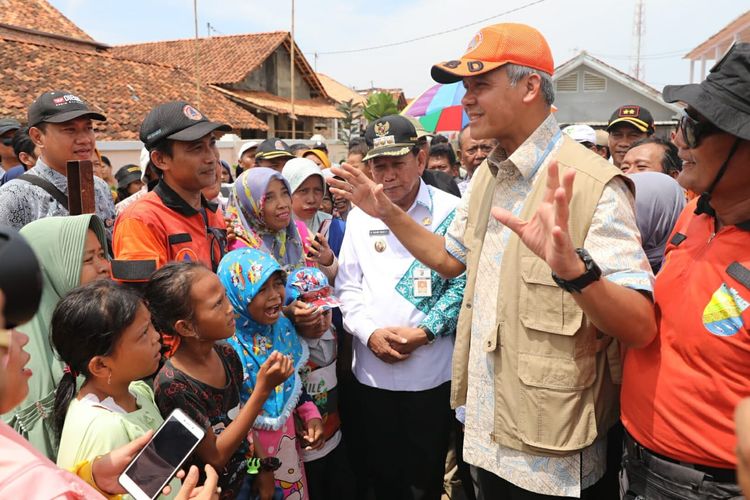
point(694, 130)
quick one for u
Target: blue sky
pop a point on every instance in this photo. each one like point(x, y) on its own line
point(602, 27)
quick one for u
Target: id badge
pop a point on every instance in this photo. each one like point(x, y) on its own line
point(422, 282)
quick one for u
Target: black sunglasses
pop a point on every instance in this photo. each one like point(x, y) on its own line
point(693, 130)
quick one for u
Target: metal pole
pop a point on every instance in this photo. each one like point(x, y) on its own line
point(197, 70)
point(292, 116)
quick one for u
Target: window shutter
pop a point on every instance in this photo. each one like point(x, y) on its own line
point(593, 82)
point(567, 83)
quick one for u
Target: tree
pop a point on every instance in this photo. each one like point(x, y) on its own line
point(380, 104)
point(352, 116)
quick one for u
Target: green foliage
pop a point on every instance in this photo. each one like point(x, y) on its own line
point(380, 104)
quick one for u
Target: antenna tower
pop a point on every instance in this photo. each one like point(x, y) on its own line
point(639, 29)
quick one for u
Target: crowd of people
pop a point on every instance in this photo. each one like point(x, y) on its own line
point(534, 311)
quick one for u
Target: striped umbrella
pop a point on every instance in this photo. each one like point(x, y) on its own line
point(439, 108)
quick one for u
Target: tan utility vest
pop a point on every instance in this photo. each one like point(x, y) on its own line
point(555, 374)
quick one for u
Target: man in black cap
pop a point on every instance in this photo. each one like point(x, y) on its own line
point(173, 222)
point(679, 392)
point(8, 128)
point(627, 125)
point(60, 124)
point(128, 181)
point(402, 317)
point(273, 153)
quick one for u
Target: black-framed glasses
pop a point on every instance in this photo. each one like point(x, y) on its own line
point(693, 130)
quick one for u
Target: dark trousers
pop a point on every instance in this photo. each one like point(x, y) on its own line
point(647, 475)
point(493, 487)
point(406, 435)
point(330, 477)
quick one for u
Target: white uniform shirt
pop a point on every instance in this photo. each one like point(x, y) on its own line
point(367, 286)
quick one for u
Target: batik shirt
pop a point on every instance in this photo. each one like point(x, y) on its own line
point(614, 244)
point(22, 202)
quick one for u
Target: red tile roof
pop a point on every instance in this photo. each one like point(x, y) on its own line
point(222, 59)
point(124, 90)
point(39, 15)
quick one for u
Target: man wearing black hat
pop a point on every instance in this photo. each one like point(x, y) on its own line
point(173, 222)
point(8, 128)
point(273, 153)
point(128, 181)
point(402, 316)
point(679, 392)
point(627, 125)
point(60, 124)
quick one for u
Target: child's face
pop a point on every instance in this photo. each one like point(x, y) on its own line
point(277, 208)
point(136, 354)
point(265, 308)
point(213, 315)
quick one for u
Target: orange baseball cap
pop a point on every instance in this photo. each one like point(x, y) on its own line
point(494, 46)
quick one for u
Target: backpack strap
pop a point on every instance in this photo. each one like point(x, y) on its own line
point(50, 188)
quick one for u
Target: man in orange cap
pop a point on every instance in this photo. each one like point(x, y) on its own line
point(553, 275)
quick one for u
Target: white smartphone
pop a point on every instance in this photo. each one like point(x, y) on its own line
point(325, 226)
point(162, 457)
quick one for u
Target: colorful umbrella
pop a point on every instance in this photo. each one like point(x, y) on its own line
point(439, 108)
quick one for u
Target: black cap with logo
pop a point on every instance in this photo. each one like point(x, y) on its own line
point(271, 148)
point(637, 116)
point(179, 121)
point(392, 135)
point(127, 174)
point(59, 106)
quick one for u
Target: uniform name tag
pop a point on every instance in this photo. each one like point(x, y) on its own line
point(380, 232)
point(422, 282)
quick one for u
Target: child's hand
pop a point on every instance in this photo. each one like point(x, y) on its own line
point(264, 485)
point(313, 435)
point(317, 329)
point(274, 371)
point(302, 315)
point(319, 251)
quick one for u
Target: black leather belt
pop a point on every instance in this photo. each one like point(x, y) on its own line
point(642, 453)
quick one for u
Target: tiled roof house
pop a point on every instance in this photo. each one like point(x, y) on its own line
point(43, 50)
point(254, 71)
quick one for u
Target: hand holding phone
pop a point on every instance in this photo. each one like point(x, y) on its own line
point(318, 246)
point(162, 457)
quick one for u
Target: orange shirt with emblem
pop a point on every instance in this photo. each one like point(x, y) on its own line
point(162, 227)
point(679, 392)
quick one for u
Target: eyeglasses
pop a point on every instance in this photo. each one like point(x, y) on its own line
point(693, 131)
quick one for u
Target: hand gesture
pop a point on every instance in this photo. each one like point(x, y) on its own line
point(318, 250)
point(313, 434)
point(190, 489)
point(274, 371)
point(381, 344)
point(301, 315)
point(360, 190)
point(546, 233)
point(415, 337)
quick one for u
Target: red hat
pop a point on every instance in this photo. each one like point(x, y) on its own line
point(494, 46)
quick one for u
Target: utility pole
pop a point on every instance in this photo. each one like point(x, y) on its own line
point(292, 116)
point(197, 50)
point(639, 29)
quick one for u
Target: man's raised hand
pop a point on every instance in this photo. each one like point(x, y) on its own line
point(360, 190)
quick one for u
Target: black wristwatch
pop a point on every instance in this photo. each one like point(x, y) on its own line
point(593, 273)
point(428, 332)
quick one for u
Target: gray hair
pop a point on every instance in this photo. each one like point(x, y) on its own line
point(516, 72)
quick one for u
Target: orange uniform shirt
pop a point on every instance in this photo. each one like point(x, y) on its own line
point(161, 226)
point(679, 393)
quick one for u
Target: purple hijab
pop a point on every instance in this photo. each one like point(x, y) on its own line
point(659, 200)
point(245, 209)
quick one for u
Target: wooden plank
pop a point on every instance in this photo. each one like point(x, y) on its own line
point(81, 187)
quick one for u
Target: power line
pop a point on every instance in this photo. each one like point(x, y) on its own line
point(432, 35)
